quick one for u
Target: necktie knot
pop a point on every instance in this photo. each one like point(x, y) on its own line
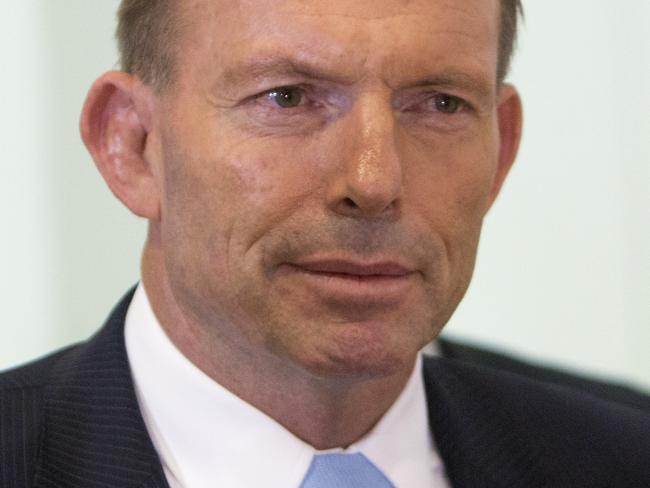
point(344, 471)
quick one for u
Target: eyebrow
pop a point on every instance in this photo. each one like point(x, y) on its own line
point(265, 67)
point(456, 79)
point(271, 66)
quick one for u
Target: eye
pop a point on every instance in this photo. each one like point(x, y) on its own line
point(285, 97)
point(447, 104)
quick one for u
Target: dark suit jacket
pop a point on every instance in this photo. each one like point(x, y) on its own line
point(72, 420)
point(612, 392)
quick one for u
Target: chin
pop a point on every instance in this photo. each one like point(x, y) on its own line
point(359, 354)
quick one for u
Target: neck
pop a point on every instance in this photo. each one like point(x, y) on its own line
point(325, 412)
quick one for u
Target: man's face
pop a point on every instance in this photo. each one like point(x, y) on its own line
point(326, 167)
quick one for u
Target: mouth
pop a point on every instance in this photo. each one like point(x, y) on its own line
point(355, 281)
point(355, 269)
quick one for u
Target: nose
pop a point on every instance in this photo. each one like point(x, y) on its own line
point(368, 181)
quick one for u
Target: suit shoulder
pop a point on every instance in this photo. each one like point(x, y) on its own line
point(60, 366)
point(565, 425)
point(22, 400)
point(516, 390)
point(617, 392)
point(34, 374)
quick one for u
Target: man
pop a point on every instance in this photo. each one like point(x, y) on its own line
point(315, 175)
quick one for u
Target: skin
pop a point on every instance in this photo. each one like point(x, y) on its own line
point(308, 252)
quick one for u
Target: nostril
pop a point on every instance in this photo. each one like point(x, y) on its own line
point(349, 203)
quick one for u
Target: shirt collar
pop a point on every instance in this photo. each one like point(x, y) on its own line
point(207, 436)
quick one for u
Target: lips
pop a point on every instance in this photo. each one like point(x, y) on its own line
point(353, 269)
point(370, 286)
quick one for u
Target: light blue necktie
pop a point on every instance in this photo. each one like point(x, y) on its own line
point(344, 471)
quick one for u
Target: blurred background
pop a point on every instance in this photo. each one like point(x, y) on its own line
point(563, 274)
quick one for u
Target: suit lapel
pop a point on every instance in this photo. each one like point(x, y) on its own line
point(93, 432)
point(478, 438)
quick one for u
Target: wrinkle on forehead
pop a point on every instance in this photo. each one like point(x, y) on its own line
point(368, 10)
point(404, 39)
point(359, 9)
point(372, 11)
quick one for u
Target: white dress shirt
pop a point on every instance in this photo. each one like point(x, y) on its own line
point(206, 436)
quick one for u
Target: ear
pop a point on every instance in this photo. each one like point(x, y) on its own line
point(115, 123)
point(509, 120)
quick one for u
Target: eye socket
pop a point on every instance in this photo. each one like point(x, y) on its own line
point(447, 104)
point(285, 97)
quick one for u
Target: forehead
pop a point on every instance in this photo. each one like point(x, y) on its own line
point(394, 37)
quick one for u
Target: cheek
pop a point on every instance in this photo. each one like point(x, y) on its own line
point(451, 189)
point(224, 199)
point(270, 184)
point(453, 179)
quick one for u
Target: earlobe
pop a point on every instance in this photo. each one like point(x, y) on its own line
point(115, 126)
point(510, 120)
